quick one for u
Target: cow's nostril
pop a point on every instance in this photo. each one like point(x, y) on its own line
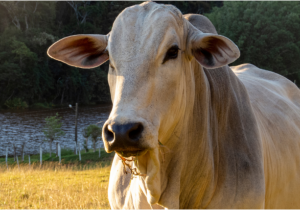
point(136, 131)
point(108, 134)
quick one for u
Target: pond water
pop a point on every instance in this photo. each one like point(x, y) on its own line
point(22, 126)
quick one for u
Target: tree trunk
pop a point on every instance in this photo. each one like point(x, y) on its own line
point(75, 148)
point(62, 96)
point(35, 7)
point(56, 149)
point(26, 23)
point(94, 145)
point(50, 147)
point(86, 142)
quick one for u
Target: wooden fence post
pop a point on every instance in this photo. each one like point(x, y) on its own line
point(79, 153)
point(23, 145)
point(59, 153)
point(6, 156)
point(41, 155)
point(76, 116)
point(18, 162)
point(15, 152)
point(29, 159)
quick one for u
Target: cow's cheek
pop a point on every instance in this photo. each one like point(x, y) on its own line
point(112, 84)
point(169, 89)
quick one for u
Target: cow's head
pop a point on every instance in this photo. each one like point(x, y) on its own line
point(150, 49)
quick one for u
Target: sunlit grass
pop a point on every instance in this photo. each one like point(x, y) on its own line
point(54, 186)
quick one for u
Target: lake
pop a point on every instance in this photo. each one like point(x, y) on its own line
point(23, 126)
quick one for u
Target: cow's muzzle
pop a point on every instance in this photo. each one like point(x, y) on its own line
point(123, 138)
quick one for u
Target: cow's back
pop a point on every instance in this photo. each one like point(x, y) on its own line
point(276, 104)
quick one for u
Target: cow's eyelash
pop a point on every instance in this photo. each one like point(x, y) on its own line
point(172, 53)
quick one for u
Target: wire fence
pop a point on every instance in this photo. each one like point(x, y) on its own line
point(57, 153)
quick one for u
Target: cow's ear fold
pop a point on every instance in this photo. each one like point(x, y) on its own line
point(83, 51)
point(212, 50)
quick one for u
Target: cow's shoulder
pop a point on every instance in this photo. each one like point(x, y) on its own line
point(275, 101)
point(201, 22)
point(251, 70)
point(259, 80)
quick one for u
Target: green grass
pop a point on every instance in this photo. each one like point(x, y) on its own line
point(67, 156)
point(42, 105)
point(54, 186)
point(69, 185)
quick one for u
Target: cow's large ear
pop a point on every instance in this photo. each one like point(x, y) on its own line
point(83, 51)
point(212, 50)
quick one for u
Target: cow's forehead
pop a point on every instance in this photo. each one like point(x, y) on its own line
point(142, 29)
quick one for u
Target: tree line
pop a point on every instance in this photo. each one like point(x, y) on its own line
point(266, 33)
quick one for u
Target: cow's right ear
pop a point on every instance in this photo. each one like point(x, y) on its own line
point(83, 51)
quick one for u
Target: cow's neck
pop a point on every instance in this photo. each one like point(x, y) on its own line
point(191, 151)
point(200, 144)
point(194, 162)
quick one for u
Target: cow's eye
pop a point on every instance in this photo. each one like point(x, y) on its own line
point(172, 53)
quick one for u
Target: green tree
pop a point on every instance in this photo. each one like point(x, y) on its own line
point(94, 132)
point(86, 134)
point(52, 129)
point(25, 33)
point(267, 33)
point(28, 28)
point(196, 7)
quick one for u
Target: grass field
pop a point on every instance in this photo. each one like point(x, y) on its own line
point(70, 185)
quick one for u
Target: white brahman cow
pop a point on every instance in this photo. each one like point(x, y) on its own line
point(202, 134)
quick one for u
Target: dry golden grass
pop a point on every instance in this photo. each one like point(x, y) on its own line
point(54, 187)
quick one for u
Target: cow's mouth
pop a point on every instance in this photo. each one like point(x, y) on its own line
point(134, 153)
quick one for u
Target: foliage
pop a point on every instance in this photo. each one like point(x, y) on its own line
point(86, 134)
point(52, 128)
point(267, 33)
point(196, 7)
point(94, 132)
point(27, 29)
point(24, 72)
point(44, 105)
point(15, 103)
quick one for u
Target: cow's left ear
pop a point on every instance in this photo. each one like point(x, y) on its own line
point(83, 51)
point(212, 50)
